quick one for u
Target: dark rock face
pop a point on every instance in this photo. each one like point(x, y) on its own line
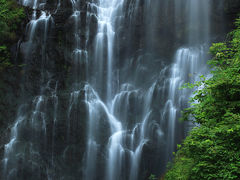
point(9, 95)
point(232, 7)
point(49, 69)
point(223, 15)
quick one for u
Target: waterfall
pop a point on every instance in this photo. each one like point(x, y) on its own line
point(189, 63)
point(113, 113)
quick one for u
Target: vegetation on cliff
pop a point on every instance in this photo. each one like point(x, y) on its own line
point(212, 150)
point(11, 16)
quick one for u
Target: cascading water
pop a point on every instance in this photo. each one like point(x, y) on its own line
point(22, 151)
point(189, 63)
point(115, 117)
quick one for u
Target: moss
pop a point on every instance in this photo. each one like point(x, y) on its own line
point(11, 16)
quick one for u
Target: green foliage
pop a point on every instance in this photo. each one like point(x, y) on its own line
point(11, 16)
point(152, 177)
point(4, 58)
point(180, 170)
point(212, 150)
